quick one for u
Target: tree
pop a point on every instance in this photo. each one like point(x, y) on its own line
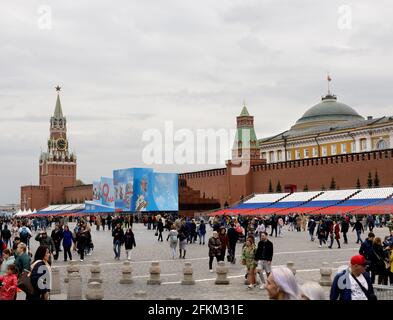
point(376, 180)
point(79, 182)
point(270, 187)
point(323, 188)
point(305, 188)
point(332, 184)
point(358, 185)
point(369, 181)
point(226, 204)
point(278, 188)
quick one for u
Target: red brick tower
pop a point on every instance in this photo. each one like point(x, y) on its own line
point(57, 165)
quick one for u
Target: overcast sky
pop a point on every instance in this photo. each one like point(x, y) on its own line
point(126, 66)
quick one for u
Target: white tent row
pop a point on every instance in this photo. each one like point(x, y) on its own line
point(24, 213)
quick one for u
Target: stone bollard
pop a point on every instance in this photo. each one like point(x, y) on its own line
point(173, 298)
point(55, 289)
point(326, 273)
point(126, 273)
point(140, 295)
point(222, 272)
point(291, 266)
point(71, 268)
point(155, 271)
point(188, 274)
point(94, 291)
point(95, 271)
point(74, 291)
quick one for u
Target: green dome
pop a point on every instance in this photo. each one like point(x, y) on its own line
point(329, 111)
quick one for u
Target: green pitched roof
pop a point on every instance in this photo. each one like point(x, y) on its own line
point(244, 112)
point(245, 135)
point(58, 112)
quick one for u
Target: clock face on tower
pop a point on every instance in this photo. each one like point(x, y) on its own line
point(61, 144)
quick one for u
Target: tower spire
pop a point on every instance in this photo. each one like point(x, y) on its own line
point(58, 111)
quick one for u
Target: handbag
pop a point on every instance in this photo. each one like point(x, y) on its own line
point(24, 283)
point(156, 234)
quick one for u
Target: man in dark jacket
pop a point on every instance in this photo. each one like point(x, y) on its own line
point(344, 230)
point(311, 228)
point(264, 256)
point(233, 236)
point(57, 236)
point(359, 229)
point(274, 221)
point(118, 238)
point(366, 249)
point(160, 229)
point(353, 283)
point(6, 236)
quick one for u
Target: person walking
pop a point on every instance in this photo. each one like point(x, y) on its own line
point(273, 224)
point(173, 239)
point(82, 241)
point(129, 242)
point(353, 283)
point(25, 234)
point(214, 249)
point(67, 242)
point(248, 260)
point(57, 236)
point(183, 239)
point(264, 257)
point(311, 227)
point(118, 237)
point(345, 228)
point(222, 235)
point(321, 233)
point(233, 237)
point(202, 232)
point(359, 230)
point(379, 262)
point(160, 229)
point(6, 236)
point(335, 234)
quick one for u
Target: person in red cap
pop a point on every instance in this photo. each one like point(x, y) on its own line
point(353, 283)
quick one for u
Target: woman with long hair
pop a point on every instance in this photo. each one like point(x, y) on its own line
point(248, 260)
point(40, 274)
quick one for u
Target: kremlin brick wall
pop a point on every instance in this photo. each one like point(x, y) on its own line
point(315, 173)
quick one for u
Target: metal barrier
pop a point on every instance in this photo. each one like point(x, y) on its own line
point(383, 292)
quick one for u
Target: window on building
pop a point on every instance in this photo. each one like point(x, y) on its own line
point(279, 155)
point(333, 149)
point(271, 156)
point(343, 148)
point(363, 144)
point(381, 144)
point(297, 154)
point(353, 147)
point(324, 151)
point(263, 155)
point(305, 153)
point(289, 155)
point(314, 152)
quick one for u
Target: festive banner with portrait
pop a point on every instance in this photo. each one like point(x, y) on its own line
point(123, 181)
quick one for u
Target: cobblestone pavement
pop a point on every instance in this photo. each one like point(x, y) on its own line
point(292, 246)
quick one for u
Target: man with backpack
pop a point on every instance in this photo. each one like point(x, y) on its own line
point(25, 234)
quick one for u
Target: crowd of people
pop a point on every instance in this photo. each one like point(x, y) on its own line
point(374, 262)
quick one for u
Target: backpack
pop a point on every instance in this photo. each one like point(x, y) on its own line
point(173, 238)
point(24, 234)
